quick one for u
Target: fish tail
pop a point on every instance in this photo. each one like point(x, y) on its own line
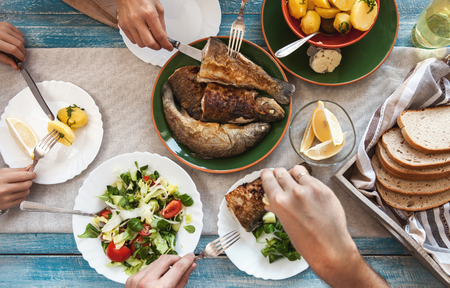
point(284, 91)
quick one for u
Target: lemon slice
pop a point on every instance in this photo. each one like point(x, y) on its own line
point(326, 126)
point(308, 137)
point(325, 149)
point(23, 135)
point(67, 135)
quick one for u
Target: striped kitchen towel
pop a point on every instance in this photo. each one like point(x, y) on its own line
point(424, 86)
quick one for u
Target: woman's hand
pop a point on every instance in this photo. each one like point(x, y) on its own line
point(142, 21)
point(315, 221)
point(12, 42)
point(15, 185)
point(167, 271)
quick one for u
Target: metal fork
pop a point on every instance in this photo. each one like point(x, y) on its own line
point(218, 246)
point(43, 147)
point(237, 33)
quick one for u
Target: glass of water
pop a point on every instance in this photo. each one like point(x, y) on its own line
point(432, 29)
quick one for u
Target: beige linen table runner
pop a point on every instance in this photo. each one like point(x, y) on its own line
point(121, 86)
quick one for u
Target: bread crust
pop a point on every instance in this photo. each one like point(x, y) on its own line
point(404, 129)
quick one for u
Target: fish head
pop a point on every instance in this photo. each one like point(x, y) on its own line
point(269, 110)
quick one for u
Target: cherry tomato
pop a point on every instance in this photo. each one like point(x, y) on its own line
point(117, 255)
point(171, 209)
point(138, 239)
point(146, 178)
point(105, 212)
point(145, 230)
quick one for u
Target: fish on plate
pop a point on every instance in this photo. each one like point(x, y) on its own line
point(220, 103)
point(210, 140)
point(218, 67)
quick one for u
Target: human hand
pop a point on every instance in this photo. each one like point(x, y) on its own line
point(15, 185)
point(167, 271)
point(314, 219)
point(142, 21)
point(12, 42)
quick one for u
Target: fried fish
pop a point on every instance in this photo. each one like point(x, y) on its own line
point(219, 103)
point(246, 204)
point(218, 67)
point(210, 140)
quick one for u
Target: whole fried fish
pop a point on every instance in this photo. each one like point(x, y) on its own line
point(217, 66)
point(210, 140)
point(246, 204)
point(220, 103)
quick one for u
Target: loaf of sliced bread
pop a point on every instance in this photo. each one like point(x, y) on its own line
point(396, 170)
point(427, 130)
point(402, 186)
point(401, 152)
point(412, 202)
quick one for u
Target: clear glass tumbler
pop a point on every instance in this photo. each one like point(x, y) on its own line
point(432, 29)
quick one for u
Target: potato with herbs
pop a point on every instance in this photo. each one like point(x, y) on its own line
point(363, 14)
point(73, 116)
point(298, 8)
point(310, 23)
point(342, 23)
point(343, 5)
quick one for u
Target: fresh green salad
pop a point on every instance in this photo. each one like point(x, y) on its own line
point(141, 221)
point(278, 244)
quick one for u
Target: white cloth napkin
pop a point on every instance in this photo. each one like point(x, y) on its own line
point(425, 86)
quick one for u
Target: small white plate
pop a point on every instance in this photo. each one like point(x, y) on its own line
point(246, 253)
point(61, 163)
point(186, 21)
point(106, 174)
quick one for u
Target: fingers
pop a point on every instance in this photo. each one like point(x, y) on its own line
point(180, 268)
point(300, 174)
point(186, 276)
point(164, 263)
point(12, 41)
point(16, 175)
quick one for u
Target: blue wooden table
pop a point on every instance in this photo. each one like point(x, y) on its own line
point(52, 260)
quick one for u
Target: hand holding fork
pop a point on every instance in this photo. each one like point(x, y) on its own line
point(237, 33)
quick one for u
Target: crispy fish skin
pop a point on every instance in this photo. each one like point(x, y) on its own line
point(219, 103)
point(217, 66)
point(246, 205)
point(210, 140)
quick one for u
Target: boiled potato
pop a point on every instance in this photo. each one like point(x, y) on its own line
point(363, 14)
point(342, 23)
point(321, 3)
point(73, 116)
point(343, 5)
point(297, 8)
point(327, 13)
point(66, 134)
point(311, 5)
point(310, 23)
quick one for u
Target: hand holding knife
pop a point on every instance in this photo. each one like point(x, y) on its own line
point(34, 89)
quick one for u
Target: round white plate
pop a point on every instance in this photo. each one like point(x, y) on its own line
point(186, 21)
point(246, 253)
point(106, 174)
point(61, 163)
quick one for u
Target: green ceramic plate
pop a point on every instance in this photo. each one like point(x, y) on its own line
point(245, 160)
point(358, 60)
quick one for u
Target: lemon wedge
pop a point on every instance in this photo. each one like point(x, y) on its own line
point(67, 135)
point(325, 149)
point(308, 137)
point(326, 126)
point(23, 135)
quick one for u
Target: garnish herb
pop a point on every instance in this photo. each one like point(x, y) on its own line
point(344, 27)
point(370, 3)
point(190, 229)
point(90, 232)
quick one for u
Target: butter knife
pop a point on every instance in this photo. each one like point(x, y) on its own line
point(34, 89)
point(38, 207)
point(186, 49)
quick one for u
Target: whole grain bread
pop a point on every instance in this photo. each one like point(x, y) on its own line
point(427, 130)
point(396, 170)
point(425, 187)
point(412, 202)
point(401, 152)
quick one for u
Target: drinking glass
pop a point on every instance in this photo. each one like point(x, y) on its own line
point(432, 29)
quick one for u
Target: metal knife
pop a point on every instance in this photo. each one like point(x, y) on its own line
point(186, 49)
point(34, 89)
point(38, 207)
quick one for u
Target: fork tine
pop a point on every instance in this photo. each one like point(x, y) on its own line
point(228, 243)
point(54, 141)
point(46, 138)
point(220, 239)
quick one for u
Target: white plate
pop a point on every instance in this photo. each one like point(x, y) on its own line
point(61, 163)
point(95, 185)
point(246, 253)
point(186, 21)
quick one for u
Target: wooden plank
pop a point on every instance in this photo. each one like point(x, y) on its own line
point(73, 271)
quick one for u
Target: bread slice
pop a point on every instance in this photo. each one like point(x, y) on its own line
point(412, 202)
point(401, 152)
point(402, 186)
point(427, 130)
point(396, 170)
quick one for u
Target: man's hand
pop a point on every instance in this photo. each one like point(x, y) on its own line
point(12, 42)
point(15, 185)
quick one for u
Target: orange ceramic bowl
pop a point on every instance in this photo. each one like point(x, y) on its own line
point(322, 40)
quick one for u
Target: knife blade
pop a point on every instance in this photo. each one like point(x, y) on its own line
point(186, 49)
point(34, 89)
